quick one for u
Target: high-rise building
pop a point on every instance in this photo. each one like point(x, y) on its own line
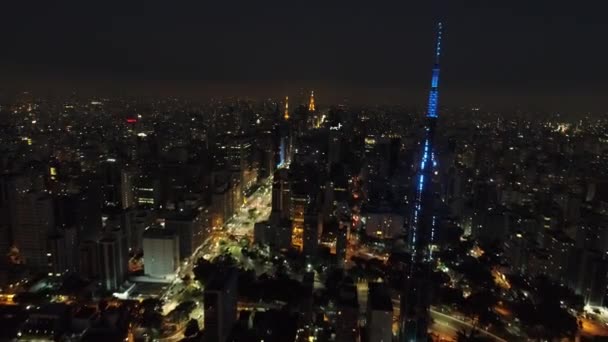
point(88, 259)
point(110, 263)
point(190, 227)
point(286, 112)
point(347, 327)
point(311, 102)
point(239, 157)
point(379, 314)
point(147, 192)
point(222, 204)
point(313, 227)
point(299, 203)
point(343, 236)
point(127, 198)
point(281, 193)
point(276, 232)
point(34, 222)
point(262, 233)
point(587, 275)
point(220, 300)
point(416, 298)
point(161, 252)
point(8, 195)
point(61, 253)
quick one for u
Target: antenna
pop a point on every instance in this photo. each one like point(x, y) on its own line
point(434, 92)
point(438, 43)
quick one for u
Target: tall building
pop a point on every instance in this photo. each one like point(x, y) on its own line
point(239, 158)
point(281, 193)
point(220, 300)
point(314, 117)
point(313, 226)
point(190, 228)
point(286, 113)
point(587, 275)
point(126, 188)
point(379, 314)
point(285, 137)
point(109, 263)
point(8, 195)
point(416, 299)
point(347, 328)
point(34, 221)
point(161, 252)
point(311, 102)
point(343, 235)
point(60, 254)
point(146, 192)
point(300, 200)
point(88, 259)
point(222, 203)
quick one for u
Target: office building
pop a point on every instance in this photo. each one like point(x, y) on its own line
point(379, 314)
point(161, 252)
point(220, 300)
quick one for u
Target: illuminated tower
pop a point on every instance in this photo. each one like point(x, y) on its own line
point(285, 137)
point(311, 102)
point(416, 298)
point(434, 92)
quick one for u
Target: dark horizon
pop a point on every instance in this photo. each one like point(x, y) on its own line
point(541, 54)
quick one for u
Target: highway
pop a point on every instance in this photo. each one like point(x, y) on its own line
point(448, 326)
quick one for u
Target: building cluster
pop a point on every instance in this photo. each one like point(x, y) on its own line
point(121, 191)
point(91, 186)
point(536, 189)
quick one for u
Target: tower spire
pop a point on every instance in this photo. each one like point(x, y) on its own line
point(286, 114)
point(434, 92)
point(311, 103)
point(416, 298)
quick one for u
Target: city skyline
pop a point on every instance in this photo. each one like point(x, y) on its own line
point(530, 54)
point(226, 172)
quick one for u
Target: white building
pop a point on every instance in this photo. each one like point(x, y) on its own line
point(161, 252)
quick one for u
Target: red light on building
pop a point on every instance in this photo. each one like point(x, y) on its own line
point(131, 120)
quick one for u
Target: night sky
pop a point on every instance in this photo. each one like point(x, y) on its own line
point(541, 52)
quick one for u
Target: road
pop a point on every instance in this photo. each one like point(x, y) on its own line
point(448, 326)
point(256, 208)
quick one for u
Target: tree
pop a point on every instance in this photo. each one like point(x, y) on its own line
point(469, 336)
point(450, 296)
point(192, 328)
point(480, 304)
point(150, 313)
point(182, 311)
point(476, 273)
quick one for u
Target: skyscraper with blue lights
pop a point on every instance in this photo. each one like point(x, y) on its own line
point(416, 296)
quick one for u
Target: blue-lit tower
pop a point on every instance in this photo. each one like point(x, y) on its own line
point(416, 296)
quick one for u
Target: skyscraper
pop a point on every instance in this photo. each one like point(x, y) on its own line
point(161, 252)
point(220, 305)
point(286, 113)
point(415, 298)
point(34, 221)
point(285, 137)
point(311, 102)
point(109, 262)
